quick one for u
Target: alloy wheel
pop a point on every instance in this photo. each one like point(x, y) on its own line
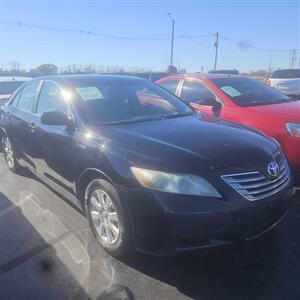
point(8, 152)
point(104, 217)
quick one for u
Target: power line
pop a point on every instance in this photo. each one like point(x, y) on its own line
point(144, 37)
point(193, 37)
point(82, 31)
point(240, 44)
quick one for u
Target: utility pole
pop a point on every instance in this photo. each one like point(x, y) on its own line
point(293, 58)
point(172, 38)
point(172, 42)
point(217, 46)
point(270, 64)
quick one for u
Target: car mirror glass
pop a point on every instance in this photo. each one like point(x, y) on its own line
point(217, 108)
point(55, 117)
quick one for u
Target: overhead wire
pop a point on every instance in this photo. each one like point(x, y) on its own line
point(144, 37)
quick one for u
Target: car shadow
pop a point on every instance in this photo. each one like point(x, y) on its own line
point(40, 258)
point(29, 265)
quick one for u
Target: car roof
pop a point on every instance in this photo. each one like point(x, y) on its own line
point(201, 76)
point(73, 78)
point(14, 78)
point(287, 69)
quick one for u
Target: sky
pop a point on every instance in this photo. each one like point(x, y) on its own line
point(139, 33)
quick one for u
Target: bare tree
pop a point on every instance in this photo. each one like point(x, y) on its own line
point(14, 65)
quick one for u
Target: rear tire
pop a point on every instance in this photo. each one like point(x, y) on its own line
point(108, 218)
point(9, 154)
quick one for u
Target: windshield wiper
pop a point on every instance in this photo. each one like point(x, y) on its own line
point(148, 118)
point(176, 115)
point(134, 120)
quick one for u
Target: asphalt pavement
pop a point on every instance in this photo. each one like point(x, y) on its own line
point(48, 252)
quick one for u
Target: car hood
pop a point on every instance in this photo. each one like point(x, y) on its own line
point(188, 144)
point(287, 112)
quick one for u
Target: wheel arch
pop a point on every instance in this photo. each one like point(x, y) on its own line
point(83, 181)
point(85, 178)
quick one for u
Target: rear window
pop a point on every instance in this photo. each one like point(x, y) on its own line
point(230, 72)
point(285, 74)
point(8, 87)
point(245, 91)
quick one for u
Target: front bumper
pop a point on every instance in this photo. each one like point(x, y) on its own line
point(296, 175)
point(167, 224)
point(291, 147)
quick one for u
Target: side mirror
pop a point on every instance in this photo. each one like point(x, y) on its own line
point(217, 108)
point(55, 117)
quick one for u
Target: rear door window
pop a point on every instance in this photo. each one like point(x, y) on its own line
point(170, 85)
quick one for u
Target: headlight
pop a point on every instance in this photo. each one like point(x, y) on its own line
point(293, 129)
point(174, 183)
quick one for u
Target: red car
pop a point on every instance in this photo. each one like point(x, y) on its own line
point(246, 101)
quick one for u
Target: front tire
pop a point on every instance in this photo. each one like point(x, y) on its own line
point(9, 154)
point(108, 218)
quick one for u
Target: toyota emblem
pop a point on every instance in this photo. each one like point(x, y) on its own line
point(273, 169)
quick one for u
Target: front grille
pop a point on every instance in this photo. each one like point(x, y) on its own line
point(254, 185)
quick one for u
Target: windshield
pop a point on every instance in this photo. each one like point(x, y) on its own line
point(8, 87)
point(286, 74)
point(124, 101)
point(244, 91)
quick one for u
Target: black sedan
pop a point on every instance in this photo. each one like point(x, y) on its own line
point(149, 173)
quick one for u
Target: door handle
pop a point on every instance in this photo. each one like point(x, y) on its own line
point(32, 126)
